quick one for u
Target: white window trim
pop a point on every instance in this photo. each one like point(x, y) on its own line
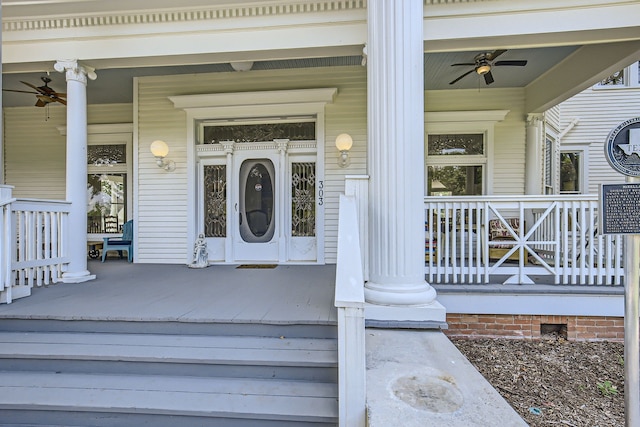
point(583, 176)
point(106, 134)
point(552, 135)
point(631, 79)
point(465, 122)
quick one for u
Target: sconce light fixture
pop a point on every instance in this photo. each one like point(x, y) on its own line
point(160, 149)
point(344, 142)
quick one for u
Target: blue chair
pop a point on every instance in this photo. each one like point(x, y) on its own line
point(124, 243)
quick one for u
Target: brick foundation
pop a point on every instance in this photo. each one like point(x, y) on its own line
point(578, 328)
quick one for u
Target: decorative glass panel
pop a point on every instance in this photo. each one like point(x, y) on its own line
point(107, 207)
point(616, 79)
point(458, 144)
point(99, 155)
point(215, 201)
point(305, 131)
point(570, 172)
point(455, 180)
point(303, 198)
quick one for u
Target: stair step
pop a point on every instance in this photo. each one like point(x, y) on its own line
point(319, 329)
point(168, 395)
point(170, 348)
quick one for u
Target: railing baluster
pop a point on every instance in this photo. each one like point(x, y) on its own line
point(32, 243)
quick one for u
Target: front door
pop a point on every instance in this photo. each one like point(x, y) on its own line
point(257, 207)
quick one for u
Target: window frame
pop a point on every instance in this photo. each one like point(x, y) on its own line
point(481, 122)
point(120, 168)
point(631, 79)
point(583, 166)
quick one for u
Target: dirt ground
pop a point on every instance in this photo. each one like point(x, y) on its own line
point(552, 381)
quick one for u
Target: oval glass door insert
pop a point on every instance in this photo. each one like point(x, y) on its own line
point(257, 214)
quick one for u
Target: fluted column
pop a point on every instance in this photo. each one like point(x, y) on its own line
point(396, 154)
point(534, 148)
point(76, 76)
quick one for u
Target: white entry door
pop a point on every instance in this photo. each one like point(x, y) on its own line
point(257, 207)
point(261, 203)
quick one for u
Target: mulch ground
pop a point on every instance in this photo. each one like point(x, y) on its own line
point(553, 381)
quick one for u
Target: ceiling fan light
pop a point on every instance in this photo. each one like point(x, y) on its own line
point(483, 69)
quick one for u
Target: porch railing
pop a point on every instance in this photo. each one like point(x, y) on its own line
point(349, 301)
point(519, 239)
point(32, 244)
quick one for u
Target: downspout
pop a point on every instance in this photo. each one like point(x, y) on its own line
point(566, 130)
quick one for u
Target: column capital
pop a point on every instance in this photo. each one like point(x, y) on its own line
point(75, 71)
point(282, 145)
point(228, 146)
point(534, 119)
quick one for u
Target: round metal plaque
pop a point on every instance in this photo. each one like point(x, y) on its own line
point(622, 147)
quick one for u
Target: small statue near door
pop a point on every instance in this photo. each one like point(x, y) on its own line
point(200, 254)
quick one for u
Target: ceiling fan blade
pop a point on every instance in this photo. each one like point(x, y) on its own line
point(19, 91)
point(61, 101)
point(515, 63)
point(40, 103)
point(488, 78)
point(493, 55)
point(469, 64)
point(34, 87)
point(464, 75)
point(60, 95)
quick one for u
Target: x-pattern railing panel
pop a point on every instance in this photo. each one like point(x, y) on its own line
point(542, 239)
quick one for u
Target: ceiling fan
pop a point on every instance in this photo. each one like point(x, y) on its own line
point(44, 93)
point(483, 62)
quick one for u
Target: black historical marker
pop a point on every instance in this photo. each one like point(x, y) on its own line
point(620, 210)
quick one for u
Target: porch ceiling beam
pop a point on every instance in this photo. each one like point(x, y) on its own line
point(164, 44)
point(193, 59)
point(579, 71)
point(524, 24)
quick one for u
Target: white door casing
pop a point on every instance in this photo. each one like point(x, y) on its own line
point(254, 105)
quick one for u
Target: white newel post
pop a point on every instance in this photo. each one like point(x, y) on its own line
point(395, 76)
point(76, 245)
point(533, 166)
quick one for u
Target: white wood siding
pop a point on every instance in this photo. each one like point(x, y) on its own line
point(35, 151)
point(599, 111)
point(510, 134)
point(162, 210)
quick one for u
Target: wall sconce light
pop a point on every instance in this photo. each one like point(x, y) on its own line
point(160, 149)
point(344, 142)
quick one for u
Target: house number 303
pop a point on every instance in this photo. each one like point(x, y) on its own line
point(320, 193)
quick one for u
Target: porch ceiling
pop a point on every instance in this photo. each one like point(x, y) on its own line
point(568, 48)
point(115, 79)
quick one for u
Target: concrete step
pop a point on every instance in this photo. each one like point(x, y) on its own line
point(25, 395)
point(204, 356)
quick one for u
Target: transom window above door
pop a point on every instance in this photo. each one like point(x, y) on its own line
point(294, 130)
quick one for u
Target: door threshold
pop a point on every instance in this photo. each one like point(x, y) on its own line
point(257, 266)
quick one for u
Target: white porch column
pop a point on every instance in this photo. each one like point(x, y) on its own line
point(534, 165)
point(396, 155)
point(76, 178)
